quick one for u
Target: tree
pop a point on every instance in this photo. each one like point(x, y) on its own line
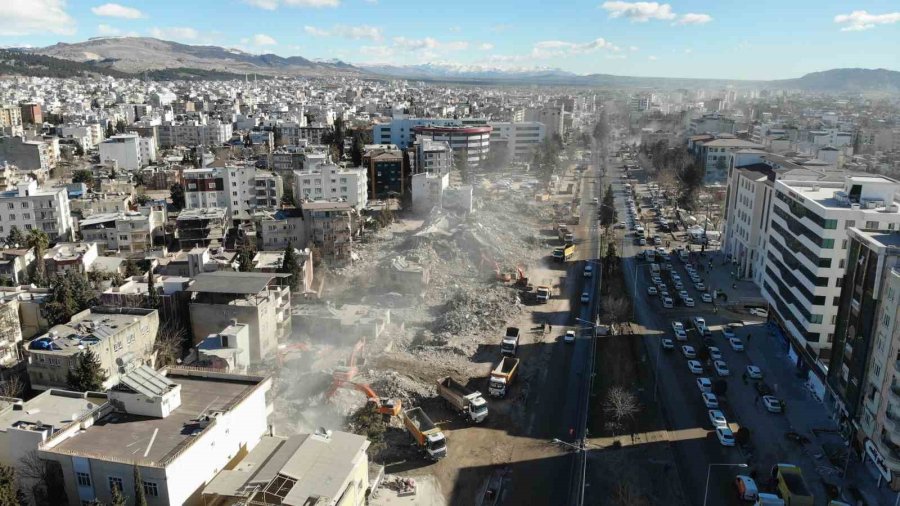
point(9, 489)
point(117, 498)
point(110, 131)
point(140, 499)
point(608, 213)
point(361, 137)
point(245, 257)
point(39, 241)
point(169, 343)
point(88, 373)
point(48, 487)
point(12, 386)
point(461, 162)
point(16, 237)
point(177, 196)
point(131, 268)
point(620, 406)
point(69, 294)
point(290, 264)
point(120, 126)
point(153, 300)
point(83, 176)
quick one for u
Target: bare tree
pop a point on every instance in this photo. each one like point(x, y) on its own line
point(42, 479)
point(617, 309)
point(627, 494)
point(12, 387)
point(621, 406)
point(169, 343)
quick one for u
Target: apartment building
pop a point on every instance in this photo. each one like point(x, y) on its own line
point(400, 130)
point(119, 337)
point(10, 120)
point(864, 371)
point(520, 139)
point(327, 468)
point(433, 157)
point(551, 116)
point(261, 300)
point(15, 264)
point(193, 133)
point(237, 189)
point(473, 142)
point(31, 113)
point(276, 230)
point(716, 156)
point(192, 423)
point(10, 333)
point(88, 136)
point(205, 227)
point(66, 257)
point(24, 154)
point(428, 190)
point(129, 151)
point(387, 171)
point(332, 182)
point(807, 250)
point(128, 232)
point(28, 207)
point(332, 227)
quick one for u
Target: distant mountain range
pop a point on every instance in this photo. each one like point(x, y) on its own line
point(160, 59)
point(138, 54)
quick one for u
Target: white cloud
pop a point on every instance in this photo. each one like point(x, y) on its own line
point(26, 17)
point(261, 39)
point(862, 20)
point(373, 2)
point(616, 57)
point(175, 33)
point(638, 11)
point(688, 51)
point(694, 19)
point(112, 10)
point(316, 32)
point(269, 5)
point(633, 48)
point(485, 46)
point(555, 48)
point(651, 58)
point(376, 53)
point(415, 44)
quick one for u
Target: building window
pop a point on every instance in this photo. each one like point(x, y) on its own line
point(24, 205)
point(28, 226)
point(115, 483)
point(871, 225)
point(83, 479)
point(117, 345)
point(850, 224)
point(11, 205)
point(150, 488)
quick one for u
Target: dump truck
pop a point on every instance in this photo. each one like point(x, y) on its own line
point(467, 402)
point(791, 486)
point(510, 342)
point(503, 375)
point(542, 294)
point(428, 436)
point(561, 230)
point(564, 253)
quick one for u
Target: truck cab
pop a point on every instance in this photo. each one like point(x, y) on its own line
point(542, 294)
point(498, 386)
point(436, 446)
point(478, 410)
point(510, 342)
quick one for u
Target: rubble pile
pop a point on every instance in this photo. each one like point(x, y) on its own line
point(394, 385)
point(482, 309)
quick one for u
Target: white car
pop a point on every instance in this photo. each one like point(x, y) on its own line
point(705, 297)
point(699, 286)
point(569, 336)
point(585, 297)
point(728, 332)
point(668, 344)
point(651, 290)
point(725, 436)
point(655, 279)
point(758, 311)
point(695, 278)
point(682, 294)
point(676, 277)
point(717, 418)
point(695, 367)
point(689, 302)
point(677, 327)
point(710, 400)
point(754, 372)
point(772, 404)
point(688, 351)
point(667, 303)
point(715, 353)
point(699, 322)
point(642, 241)
point(736, 344)
point(721, 368)
point(679, 285)
point(705, 385)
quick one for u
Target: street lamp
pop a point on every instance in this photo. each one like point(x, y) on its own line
point(709, 470)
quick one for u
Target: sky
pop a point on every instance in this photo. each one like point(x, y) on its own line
point(730, 39)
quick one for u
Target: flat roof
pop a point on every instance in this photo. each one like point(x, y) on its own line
point(55, 408)
point(150, 441)
point(321, 465)
point(233, 282)
point(101, 322)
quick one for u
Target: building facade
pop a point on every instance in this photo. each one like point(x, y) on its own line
point(471, 142)
point(331, 182)
point(387, 172)
point(521, 139)
point(29, 208)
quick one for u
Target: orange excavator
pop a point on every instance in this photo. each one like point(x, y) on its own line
point(347, 372)
point(383, 405)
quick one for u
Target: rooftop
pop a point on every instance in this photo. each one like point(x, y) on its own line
point(206, 213)
point(91, 327)
point(233, 282)
point(154, 441)
point(51, 408)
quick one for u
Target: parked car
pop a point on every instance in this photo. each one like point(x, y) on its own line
point(736, 344)
point(689, 302)
point(668, 303)
point(688, 351)
point(754, 372)
point(678, 329)
point(772, 404)
point(699, 286)
point(668, 344)
point(710, 400)
point(704, 384)
point(715, 353)
point(695, 367)
point(758, 311)
point(717, 418)
point(585, 297)
point(651, 290)
point(569, 336)
point(725, 436)
point(721, 368)
point(746, 488)
point(728, 332)
point(706, 297)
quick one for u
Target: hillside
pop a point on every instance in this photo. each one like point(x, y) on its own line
point(138, 54)
point(847, 80)
point(14, 61)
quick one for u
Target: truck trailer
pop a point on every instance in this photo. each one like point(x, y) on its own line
point(428, 436)
point(467, 402)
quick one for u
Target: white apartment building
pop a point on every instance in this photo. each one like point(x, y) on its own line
point(88, 136)
point(130, 232)
point(281, 228)
point(124, 149)
point(331, 182)
point(521, 138)
point(716, 156)
point(428, 190)
point(807, 250)
point(473, 141)
point(29, 208)
point(551, 116)
point(192, 133)
point(399, 131)
point(237, 189)
point(749, 202)
point(433, 157)
point(190, 424)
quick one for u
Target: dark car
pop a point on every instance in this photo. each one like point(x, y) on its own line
point(762, 388)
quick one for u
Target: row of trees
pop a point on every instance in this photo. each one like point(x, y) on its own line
point(676, 168)
point(545, 161)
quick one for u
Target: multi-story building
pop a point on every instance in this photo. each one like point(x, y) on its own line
point(399, 131)
point(31, 113)
point(551, 116)
point(123, 149)
point(261, 300)
point(332, 182)
point(332, 227)
point(864, 371)
point(66, 257)
point(130, 232)
point(10, 120)
point(29, 208)
point(190, 423)
point(472, 142)
point(10, 333)
point(15, 264)
point(278, 229)
point(807, 249)
point(26, 155)
point(86, 135)
point(119, 337)
point(201, 227)
point(386, 171)
point(520, 139)
point(237, 189)
point(328, 468)
point(192, 133)
point(715, 156)
point(428, 190)
point(430, 156)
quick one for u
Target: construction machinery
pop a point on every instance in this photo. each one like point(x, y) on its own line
point(428, 436)
point(289, 348)
point(502, 376)
point(466, 402)
point(383, 405)
point(348, 371)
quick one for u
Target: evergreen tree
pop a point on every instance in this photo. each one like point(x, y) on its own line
point(83, 176)
point(177, 195)
point(117, 498)
point(245, 258)
point(153, 300)
point(291, 265)
point(120, 126)
point(69, 294)
point(131, 268)
point(608, 208)
point(140, 499)
point(110, 131)
point(38, 240)
point(16, 237)
point(87, 375)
